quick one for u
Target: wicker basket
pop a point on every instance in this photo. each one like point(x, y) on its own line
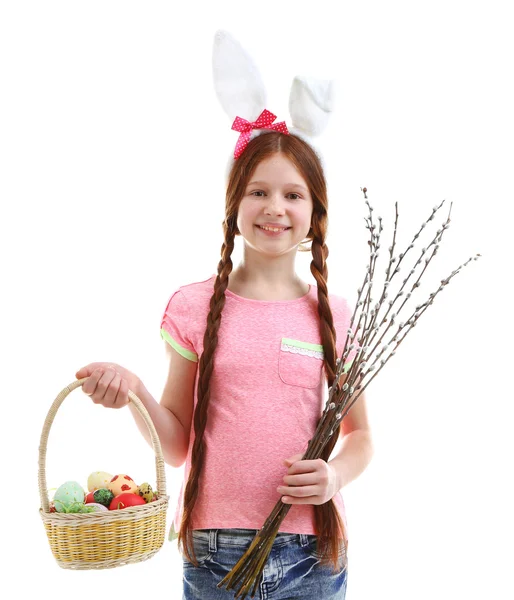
point(106, 539)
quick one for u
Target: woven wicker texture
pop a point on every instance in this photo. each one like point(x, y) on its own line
point(107, 539)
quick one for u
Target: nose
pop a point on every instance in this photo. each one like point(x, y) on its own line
point(275, 204)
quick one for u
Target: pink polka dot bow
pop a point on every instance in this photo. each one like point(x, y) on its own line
point(264, 121)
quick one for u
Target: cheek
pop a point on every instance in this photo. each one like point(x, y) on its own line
point(247, 216)
point(301, 217)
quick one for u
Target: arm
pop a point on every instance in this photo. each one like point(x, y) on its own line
point(356, 450)
point(174, 442)
point(317, 481)
point(353, 457)
point(173, 416)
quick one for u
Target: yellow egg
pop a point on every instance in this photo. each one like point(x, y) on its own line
point(122, 483)
point(97, 480)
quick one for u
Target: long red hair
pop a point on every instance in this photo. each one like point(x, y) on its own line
point(329, 525)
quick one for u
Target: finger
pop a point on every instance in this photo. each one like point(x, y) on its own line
point(311, 478)
point(305, 493)
point(89, 386)
point(88, 370)
point(299, 492)
point(102, 395)
point(303, 466)
point(112, 388)
point(290, 461)
point(292, 500)
point(122, 395)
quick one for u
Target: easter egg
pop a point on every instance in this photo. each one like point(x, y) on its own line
point(89, 498)
point(103, 496)
point(146, 492)
point(97, 480)
point(68, 494)
point(98, 507)
point(122, 483)
point(125, 500)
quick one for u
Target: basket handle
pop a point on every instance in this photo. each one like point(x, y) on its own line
point(159, 459)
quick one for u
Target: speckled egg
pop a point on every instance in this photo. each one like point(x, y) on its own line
point(146, 492)
point(67, 494)
point(97, 480)
point(103, 496)
point(122, 483)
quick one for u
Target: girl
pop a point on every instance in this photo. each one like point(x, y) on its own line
point(258, 391)
point(249, 349)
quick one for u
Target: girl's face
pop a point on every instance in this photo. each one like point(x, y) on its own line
point(275, 195)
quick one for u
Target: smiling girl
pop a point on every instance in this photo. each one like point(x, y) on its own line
point(251, 352)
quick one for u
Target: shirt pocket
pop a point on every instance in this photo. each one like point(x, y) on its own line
point(300, 363)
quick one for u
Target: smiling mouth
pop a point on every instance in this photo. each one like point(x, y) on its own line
point(273, 229)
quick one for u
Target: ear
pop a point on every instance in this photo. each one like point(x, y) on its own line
point(310, 103)
point(237, 81)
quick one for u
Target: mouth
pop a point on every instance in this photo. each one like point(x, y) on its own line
point(273, 230)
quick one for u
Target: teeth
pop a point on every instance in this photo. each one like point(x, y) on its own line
point(272, 228)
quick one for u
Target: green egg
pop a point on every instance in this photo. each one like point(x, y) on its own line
point(67, 494)
point(103, 496)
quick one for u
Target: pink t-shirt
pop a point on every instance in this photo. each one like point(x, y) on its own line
point(268, 391)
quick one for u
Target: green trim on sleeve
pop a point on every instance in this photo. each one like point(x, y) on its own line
point(182, 351)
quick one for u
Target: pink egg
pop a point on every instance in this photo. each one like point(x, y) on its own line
point(98, 507)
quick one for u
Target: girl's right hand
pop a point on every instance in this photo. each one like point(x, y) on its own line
point(108, 383)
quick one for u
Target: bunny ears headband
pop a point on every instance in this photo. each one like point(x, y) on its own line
point(242, 95)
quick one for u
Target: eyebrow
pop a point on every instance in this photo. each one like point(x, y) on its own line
point(296, 185)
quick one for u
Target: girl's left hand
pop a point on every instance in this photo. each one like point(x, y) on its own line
point(314, 481)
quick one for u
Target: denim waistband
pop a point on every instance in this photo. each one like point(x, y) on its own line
point(237, 536)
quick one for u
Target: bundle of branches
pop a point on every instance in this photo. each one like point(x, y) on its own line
point(372, 353)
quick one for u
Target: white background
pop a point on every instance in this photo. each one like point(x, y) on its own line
point(113, 151)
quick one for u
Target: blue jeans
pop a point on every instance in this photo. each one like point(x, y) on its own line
point(292, 571)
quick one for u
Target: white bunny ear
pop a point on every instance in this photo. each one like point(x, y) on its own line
point(237, 81)
point(310, 103)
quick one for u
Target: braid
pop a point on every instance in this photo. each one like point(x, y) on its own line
point(328, 334)
point(328, 520)
point(210, 342)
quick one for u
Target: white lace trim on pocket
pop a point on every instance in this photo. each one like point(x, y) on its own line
point(305, 351)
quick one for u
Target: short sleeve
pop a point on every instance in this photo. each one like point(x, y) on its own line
point(175, 326)
point(342, 333)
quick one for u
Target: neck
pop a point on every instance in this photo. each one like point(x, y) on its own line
point(278, 272)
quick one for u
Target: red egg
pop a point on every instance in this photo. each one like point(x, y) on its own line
point(125, 500)
point(90, 498)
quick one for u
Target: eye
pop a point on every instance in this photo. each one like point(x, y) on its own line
point(297, 197)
